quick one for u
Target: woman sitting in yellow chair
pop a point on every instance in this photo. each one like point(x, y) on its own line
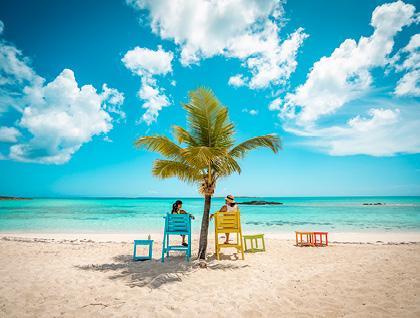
point(230, 206)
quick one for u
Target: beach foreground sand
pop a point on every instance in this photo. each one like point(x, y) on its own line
point(50, 278)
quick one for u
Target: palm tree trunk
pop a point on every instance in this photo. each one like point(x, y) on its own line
point(204, 228)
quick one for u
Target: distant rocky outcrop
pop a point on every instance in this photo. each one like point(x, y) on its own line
point(259, 203)
point(13, 198)
point(377, 203)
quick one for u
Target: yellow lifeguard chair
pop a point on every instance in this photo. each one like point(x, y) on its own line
point(228, 222)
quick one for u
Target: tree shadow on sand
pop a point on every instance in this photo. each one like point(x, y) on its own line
point(154, 273)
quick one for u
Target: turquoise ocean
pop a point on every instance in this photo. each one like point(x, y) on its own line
point(145, 215)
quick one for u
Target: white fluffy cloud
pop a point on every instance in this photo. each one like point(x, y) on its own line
point(148, 64)
point(143, 61)
point(384, 132)
point(61, 117)
point(345, 74)
point(9, 134)
point(409, 84)
point(15, 73)
point(243, 29)
point(57, 118)
point(390, 126)
point(275, 104)
point(271, 62)
point(236, 80)
point(252, 112)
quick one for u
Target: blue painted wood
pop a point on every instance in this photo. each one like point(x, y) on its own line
point(176, 224)
point(148, 243)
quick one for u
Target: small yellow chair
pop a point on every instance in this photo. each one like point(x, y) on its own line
point(228, 222)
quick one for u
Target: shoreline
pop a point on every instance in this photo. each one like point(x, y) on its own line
point(333, 237)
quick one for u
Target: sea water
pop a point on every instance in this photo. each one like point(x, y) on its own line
point(145, 215)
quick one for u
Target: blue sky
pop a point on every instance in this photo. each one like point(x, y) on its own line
point(338, 81)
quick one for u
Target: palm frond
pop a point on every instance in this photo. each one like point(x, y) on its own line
point(202, 156)
point(202, 112)
point(271, 141)
point(165, 169)
point(183, 136)
point(159, 144)
point(225, 166)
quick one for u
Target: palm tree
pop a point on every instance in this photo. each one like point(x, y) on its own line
point(209, 153)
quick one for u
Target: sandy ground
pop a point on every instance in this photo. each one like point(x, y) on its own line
point(52, 278)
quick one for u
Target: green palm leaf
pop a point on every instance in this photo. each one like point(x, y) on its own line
point(165, 169)
point(270, 141)
point(159, 144)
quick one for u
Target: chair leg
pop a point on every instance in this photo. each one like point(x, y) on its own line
point(242, 247)
point(134, 252)
point(263, 243)
point(189, 247)
point(163, 248)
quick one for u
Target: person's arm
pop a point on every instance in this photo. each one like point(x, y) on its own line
point(222, 209)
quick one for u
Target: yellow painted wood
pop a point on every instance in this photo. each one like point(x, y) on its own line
point(228, 222)
point(255, 247)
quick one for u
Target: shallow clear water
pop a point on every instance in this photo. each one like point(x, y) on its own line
point(340, 214)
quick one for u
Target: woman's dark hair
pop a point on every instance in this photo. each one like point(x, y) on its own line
point(175, 206)
point(232, 204)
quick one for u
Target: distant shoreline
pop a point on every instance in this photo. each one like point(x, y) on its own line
point(4, 198)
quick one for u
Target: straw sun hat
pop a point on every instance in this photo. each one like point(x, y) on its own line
point(230, 199)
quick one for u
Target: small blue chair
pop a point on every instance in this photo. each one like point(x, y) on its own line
point(176, 224)
point(148, 243)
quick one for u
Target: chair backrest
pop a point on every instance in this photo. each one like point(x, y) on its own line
point(177, 223)
point(229, 221)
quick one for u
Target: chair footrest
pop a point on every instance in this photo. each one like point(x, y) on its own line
point(229, 245)
point(177, 248)
point(253, 250)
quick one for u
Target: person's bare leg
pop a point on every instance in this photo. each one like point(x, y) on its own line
point(227, 238)
point(183, 240)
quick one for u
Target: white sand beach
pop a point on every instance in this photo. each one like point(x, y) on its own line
point(52, 277)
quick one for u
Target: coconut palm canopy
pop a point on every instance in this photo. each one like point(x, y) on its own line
point(205, 152)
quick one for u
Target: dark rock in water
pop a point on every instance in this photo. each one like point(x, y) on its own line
point(260, 203)
point(13, 198)
point(377, 203)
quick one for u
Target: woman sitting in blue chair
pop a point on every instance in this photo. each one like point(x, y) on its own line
point(177, 209)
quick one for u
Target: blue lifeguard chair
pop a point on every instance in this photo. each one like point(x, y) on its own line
point(176, 224)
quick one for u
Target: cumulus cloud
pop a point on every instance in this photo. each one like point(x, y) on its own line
point(243, 29)
point(384, 132)
point(56, 118)
point(15, 72)
point(345, 74)
point(148, 64)
point(236, 80)
point(143, 61)
point(275, 104)
point(343, 79)
point(273, 63)
point(60, 117)
point(9, 134)
point(409, 84)
point(252, 112)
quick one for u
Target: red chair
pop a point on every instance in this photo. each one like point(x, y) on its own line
point(320, 238)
